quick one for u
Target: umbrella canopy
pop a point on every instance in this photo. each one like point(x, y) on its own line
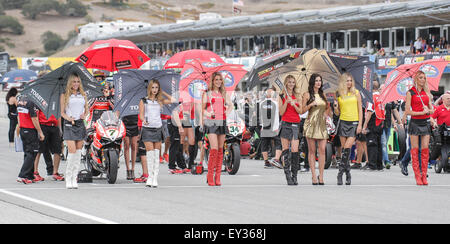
point(19, 75)
point(195, 78)
point(362, 70)
point(400, 80)
point(112, 55)
point(45, 91)
point(178, 60)
point(270, 64)
point(131, 87)
point(310, 62)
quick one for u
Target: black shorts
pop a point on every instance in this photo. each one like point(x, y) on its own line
point(361, 137)
point(52, 139)
point(131, 125)
point(266, 141)
point(30, 140)
point(419, 127)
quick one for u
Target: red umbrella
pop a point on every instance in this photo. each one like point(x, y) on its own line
point(112, 55)
point(180, 59)
point(196, 76)
point(400, 80)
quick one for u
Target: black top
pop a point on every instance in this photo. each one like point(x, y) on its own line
point(12, 111)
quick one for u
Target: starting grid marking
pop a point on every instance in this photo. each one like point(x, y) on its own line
point(60, 208)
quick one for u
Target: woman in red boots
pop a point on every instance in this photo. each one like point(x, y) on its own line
point(214, 110)
point(419, 106)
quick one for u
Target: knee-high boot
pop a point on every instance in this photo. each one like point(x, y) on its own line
point(76, 168)
point(348, 175)
point(219, 162)
point(295, 165)
point(425, 156)
point(69, 170)
point(155, 168)
point(286, 160)
point(150, 162)
point(211, 167)
point(415, 165)
point(342, 164)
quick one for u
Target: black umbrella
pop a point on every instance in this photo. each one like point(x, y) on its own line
point(270, 64)
point(362, 70)
point(131, 86)
point(45, 92)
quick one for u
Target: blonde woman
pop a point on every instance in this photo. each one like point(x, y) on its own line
point(349, 109)
point(419, 106)
point(290, 110)
point(215, 104)
point(74, 109)
point(150, 109)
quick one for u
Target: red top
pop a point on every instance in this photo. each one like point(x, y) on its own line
point(378, 109)
point(442, 114)
point(416, 102)
point(291, 115)
point(27, 110)
point(52, 121)
point(186, 107)
point(218, 105)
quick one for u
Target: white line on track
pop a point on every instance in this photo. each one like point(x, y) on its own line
point(67, 210)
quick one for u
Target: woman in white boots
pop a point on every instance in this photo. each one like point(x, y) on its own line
point(150, 109)
point(74, 109)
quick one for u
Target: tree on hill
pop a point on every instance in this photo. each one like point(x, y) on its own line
point(11, 23)
point(52, 41)
point(35, 7)
point(72, 8)
point(13, 4)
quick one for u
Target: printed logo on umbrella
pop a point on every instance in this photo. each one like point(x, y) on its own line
point(430, 71)
point(211, 65)
point(228, 78)
point(391, 78)
point(186, 73)
point(196, 88)
point(404, 85)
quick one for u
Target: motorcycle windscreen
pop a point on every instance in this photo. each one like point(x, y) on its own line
point(109, 118)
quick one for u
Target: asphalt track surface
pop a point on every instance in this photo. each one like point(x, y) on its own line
point(254, 196)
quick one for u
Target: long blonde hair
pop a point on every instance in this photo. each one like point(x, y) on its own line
point(425, 86)
point(294, 90)
point(342, 88)
point(211, 83)
point(69, 91)
point(159, 97)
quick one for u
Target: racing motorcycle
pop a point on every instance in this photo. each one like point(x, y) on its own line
point(102, 153)
point(444, 162)
point(232, 146)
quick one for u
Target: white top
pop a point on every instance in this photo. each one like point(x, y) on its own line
point(75, 106)
point(152, 114)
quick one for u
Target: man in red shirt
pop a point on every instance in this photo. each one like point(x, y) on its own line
point(30, 133)
point(51, 145)
point(442, 113)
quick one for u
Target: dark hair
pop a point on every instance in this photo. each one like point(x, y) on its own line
point(312, 81)
point(11, 93)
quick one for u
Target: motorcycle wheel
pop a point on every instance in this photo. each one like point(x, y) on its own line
point(234, 160)
point(113, 166)
point(329, 154)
